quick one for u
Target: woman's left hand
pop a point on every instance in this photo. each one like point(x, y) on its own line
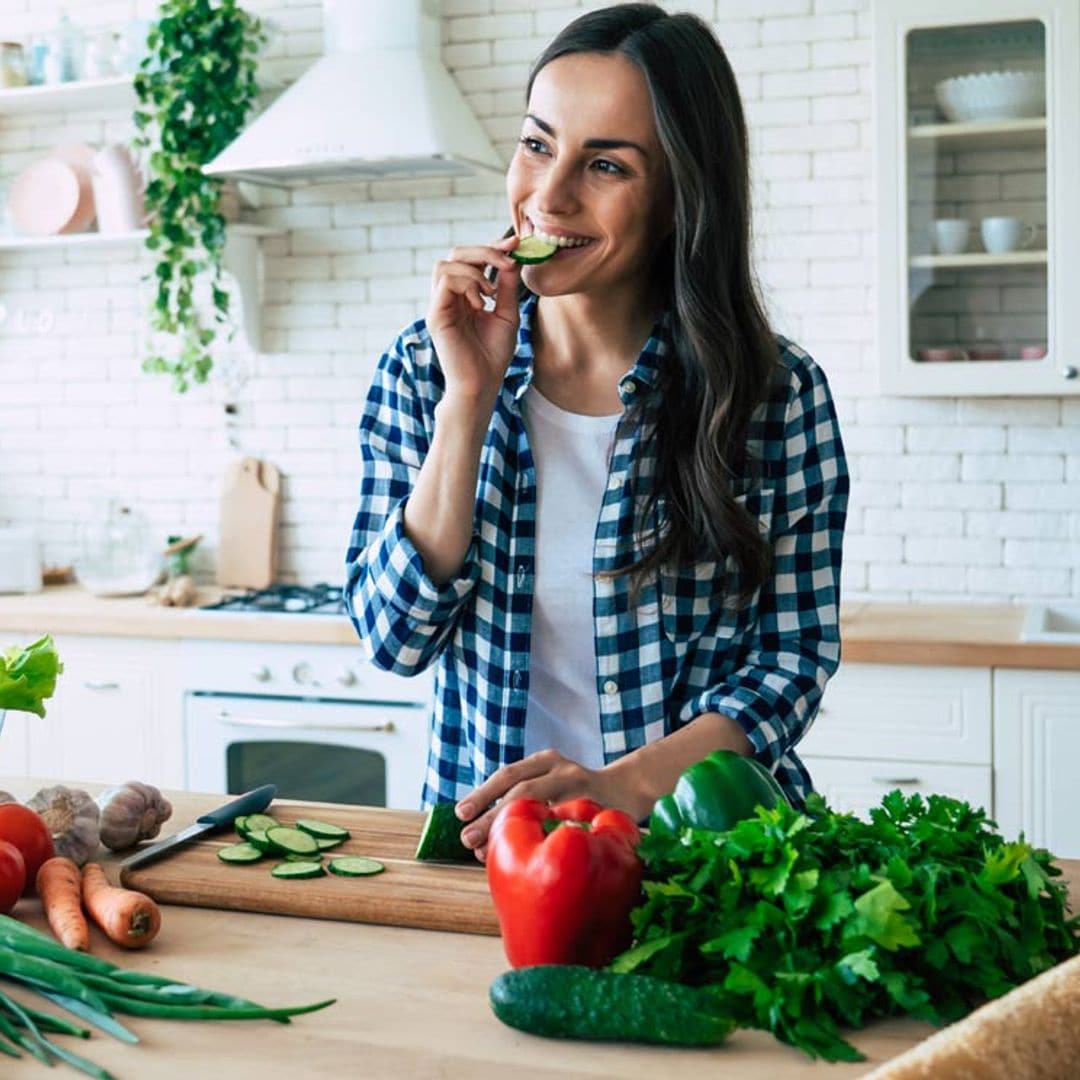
point(547, 776)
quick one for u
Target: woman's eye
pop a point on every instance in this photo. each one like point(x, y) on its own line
point(609, 167)
point(535, 146)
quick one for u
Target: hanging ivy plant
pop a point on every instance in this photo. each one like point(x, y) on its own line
point(195, 88)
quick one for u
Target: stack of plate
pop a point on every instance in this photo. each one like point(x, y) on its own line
point(54, 195)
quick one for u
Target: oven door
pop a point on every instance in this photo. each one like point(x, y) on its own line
point(371, 754)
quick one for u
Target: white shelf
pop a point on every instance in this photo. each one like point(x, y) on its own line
point(241, 259)
point(116, 92)
point(100, 239)
point(999, 133)
point(977, 260)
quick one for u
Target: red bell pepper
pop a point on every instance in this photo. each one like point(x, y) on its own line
point(564, 879)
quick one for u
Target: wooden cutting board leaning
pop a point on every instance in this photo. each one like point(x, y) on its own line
point(247, 536)
point(424, 895)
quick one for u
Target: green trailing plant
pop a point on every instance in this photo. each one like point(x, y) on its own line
point(195, 88)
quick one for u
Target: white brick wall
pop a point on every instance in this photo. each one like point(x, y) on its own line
point(951, 499)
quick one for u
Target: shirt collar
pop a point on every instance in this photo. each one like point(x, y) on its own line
point(644, 373)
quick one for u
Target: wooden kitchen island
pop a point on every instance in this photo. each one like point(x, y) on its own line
point(411, 1004)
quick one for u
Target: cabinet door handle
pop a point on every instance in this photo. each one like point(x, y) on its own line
point(387, 727)
point(98, 684)
point(896, 779)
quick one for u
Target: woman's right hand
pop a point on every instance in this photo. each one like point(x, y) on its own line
point(475, 346)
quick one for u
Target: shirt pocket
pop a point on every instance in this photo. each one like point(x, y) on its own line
point(701, 598)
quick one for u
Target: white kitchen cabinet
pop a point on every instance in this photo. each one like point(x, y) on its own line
point(976, 320)
point(116, 714)
point(1037, 757)
point(855, 785)
point(920, 729)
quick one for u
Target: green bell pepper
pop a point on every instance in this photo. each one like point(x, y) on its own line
point(715, 794)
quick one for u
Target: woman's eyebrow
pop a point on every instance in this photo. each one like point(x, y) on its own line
point(591, 144)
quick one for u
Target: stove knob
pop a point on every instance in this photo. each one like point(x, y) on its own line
point(262, 674)
point(348, 677)
point(304, 675)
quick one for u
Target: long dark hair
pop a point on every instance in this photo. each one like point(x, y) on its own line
point(724, 349)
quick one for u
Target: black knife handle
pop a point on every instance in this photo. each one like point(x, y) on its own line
point(253, 802)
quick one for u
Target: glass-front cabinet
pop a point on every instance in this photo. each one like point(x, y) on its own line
point(977, 127)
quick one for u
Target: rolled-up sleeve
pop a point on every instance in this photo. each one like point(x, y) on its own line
point(795, 645)
point(402, 616)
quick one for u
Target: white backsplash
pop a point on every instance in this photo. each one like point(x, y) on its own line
point(951, 499)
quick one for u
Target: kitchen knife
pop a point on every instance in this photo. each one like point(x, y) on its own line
point(253, 802)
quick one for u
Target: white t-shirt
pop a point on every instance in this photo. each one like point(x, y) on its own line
point(571, 452)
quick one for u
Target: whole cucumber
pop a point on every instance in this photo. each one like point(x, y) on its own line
point(565, 1001)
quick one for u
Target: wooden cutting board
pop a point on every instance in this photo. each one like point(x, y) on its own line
point(429, 896)
point(248, 526)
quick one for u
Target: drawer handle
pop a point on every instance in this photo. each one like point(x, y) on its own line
point(896, 779)
point(97, 684)
point(387, 727)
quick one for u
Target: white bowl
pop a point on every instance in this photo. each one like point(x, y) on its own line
point(992, 95)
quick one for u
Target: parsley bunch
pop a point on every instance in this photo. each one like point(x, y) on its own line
point(801, 923)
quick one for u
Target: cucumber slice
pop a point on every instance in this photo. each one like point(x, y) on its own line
point(238, 825)
point(327, 845)
point(240, 853)
point(441, 839)
point(291, 841)
point(317, 857)
point(298, 870)
point(258, 839)
point(531, 249)
point(259, 822)
point(321, 830)
point(355, 866)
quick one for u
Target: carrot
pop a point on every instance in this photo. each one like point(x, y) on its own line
point(58, 885)
point(128, 918)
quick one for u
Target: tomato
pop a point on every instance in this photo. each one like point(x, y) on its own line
point(19, 825)
point(12, 875)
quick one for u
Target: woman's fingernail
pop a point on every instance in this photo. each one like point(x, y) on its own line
point(470, 837)
point(464, 810)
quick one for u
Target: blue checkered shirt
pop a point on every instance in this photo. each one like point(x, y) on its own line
point(685, 649)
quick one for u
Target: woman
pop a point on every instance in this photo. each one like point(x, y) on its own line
point(600, 493)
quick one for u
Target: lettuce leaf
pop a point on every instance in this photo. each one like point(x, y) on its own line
point(28, 676)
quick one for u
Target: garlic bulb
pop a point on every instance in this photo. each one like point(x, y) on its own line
point(72, 818)
point(130, 813)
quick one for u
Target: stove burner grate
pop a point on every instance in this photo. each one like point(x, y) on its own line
point(321, 599)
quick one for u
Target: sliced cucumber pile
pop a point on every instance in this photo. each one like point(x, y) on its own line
point(531, 249)
point(299, 848)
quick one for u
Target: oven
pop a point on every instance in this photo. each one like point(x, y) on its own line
point(319, 721)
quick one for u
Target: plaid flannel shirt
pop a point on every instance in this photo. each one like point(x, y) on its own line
point(685, 649)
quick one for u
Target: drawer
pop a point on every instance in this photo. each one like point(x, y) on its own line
point(886, 711)
point(859, 785)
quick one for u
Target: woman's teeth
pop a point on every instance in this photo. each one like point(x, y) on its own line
point(562, 241)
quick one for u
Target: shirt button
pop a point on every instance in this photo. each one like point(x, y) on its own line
point(630, 386)
point(522, 575)
point(615, 482)
point(518, 679)
point(611, 687)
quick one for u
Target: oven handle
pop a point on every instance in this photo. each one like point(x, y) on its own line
point(387, 726)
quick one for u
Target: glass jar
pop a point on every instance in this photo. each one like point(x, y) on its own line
point(12, 65)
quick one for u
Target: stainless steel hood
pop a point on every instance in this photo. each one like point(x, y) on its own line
point(378, 103)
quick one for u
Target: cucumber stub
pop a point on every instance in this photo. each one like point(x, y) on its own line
point(355, 866)
point(531, 249)
point(441, 839)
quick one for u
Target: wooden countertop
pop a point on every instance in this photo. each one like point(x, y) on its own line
point(973, 635)
point(410, 1004)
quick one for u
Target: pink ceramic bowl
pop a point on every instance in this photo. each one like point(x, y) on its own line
point(44, 198)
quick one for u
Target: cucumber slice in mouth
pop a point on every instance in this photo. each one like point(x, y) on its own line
point(531, 249)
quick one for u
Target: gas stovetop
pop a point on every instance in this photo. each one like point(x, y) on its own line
point(285, 600)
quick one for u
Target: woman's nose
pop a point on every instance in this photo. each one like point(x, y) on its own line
point(557, 191)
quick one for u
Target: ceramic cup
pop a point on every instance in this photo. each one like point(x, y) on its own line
point(1001, 234)
point(951, 235)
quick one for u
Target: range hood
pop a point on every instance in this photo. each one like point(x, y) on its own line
point(378, 103)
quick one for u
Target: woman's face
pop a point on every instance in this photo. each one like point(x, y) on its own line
point(589, 168)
